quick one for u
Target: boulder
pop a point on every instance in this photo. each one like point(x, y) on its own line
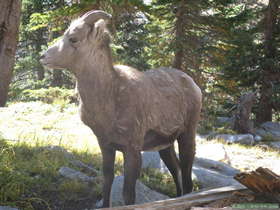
point(225, 121)
point(143, 193)
point(217, 166)
point(218, 173)
point(269, 131)
point(153, 160)
point(207, 178)
point(7, 208)
point(246, 139)
point(275, 145)
point(74, 174)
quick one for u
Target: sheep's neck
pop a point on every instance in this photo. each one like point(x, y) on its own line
point(96, 85)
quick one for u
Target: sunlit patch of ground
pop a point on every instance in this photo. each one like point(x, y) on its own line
point(34, 121)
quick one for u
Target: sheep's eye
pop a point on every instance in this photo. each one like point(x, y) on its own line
point(73, 40)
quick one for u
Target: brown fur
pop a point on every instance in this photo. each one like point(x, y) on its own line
point(128, 110)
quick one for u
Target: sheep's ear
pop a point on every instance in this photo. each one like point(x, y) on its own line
point(98, 30)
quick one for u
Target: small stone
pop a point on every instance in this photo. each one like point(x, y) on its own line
point(75, 175)
point(258, 138)
point(246, 139)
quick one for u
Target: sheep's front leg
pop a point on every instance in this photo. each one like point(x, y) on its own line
point(108, 155)
point(132, 167)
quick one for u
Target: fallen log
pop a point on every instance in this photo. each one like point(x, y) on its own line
point(262, 181)
point(186, 201)
point(209, 208)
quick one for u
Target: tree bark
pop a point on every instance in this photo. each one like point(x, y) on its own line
point(40, 68)
point(242, 115)
point(179, 34)
point(57, 74)
point(38, 42)
point(57, 78)
point(9, 28)
point(265, 104)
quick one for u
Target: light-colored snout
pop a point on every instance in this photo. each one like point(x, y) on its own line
point(53, 56)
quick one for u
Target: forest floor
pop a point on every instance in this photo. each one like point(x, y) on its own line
point(36, 124)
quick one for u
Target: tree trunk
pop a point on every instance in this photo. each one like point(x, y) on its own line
point(38, 43)
point(242, 116)
point(179, 34)
point(265, 104)
point(9, 28)
point(57, 74)
point(57, 78)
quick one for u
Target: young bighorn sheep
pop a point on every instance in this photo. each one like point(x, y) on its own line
point(129, 110)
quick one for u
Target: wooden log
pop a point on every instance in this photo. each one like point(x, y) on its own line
point(263, 181)
point(186, 201)
point(209, 208)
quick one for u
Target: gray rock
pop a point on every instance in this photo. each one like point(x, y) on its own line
point(7, 208)
point(269, 131)
point(271, 126)
point(275, 145)
point(217, 166)
point(75, 175)
point(247, 139)
point(210, 178)
point(86, 167)
point(225, 121)
point(143, 193)
point(258, 138)
point(153, 160)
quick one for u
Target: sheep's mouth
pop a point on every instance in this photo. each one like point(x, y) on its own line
point(44, 62)
point(50, 65)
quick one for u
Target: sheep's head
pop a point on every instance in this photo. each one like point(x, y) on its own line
point(84, 36)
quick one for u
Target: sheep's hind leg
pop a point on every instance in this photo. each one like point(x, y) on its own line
point(108, 156)
point(132, 167)
point(170, 159)
point(186, 143)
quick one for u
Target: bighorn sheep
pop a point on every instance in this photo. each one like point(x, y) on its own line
point(129, 110)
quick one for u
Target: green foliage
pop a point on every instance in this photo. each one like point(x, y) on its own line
point(29, 174)
point(130, 41)
point(222, 44)
point(50, 95)
point(152, 178)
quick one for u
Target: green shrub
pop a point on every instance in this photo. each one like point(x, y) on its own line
point(52, 95)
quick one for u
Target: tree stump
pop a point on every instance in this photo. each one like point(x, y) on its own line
point(242, 116)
